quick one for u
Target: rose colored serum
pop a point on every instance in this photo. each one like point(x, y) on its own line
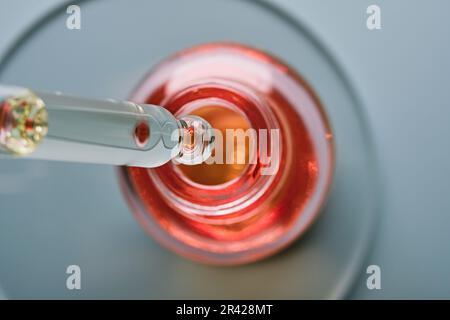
point(238, 212)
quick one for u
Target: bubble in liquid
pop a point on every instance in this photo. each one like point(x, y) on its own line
point(197, 140)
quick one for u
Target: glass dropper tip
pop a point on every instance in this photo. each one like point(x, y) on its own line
point(197, 141)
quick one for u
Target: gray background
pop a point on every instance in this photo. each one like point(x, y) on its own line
point(402, 74)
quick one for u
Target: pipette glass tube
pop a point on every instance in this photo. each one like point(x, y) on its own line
point(233, 212)
point(53, 126)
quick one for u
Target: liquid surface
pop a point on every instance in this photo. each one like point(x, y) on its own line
point(220, 118)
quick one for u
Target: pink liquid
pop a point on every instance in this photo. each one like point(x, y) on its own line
point(229, 213)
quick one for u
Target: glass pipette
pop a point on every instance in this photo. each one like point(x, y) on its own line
point(54, 126)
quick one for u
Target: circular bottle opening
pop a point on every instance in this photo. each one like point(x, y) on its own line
point(266, 180)
point(222, 117)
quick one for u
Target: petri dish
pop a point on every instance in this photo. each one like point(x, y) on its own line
point(79, 215)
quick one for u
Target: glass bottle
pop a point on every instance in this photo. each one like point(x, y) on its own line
point(241, 211)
